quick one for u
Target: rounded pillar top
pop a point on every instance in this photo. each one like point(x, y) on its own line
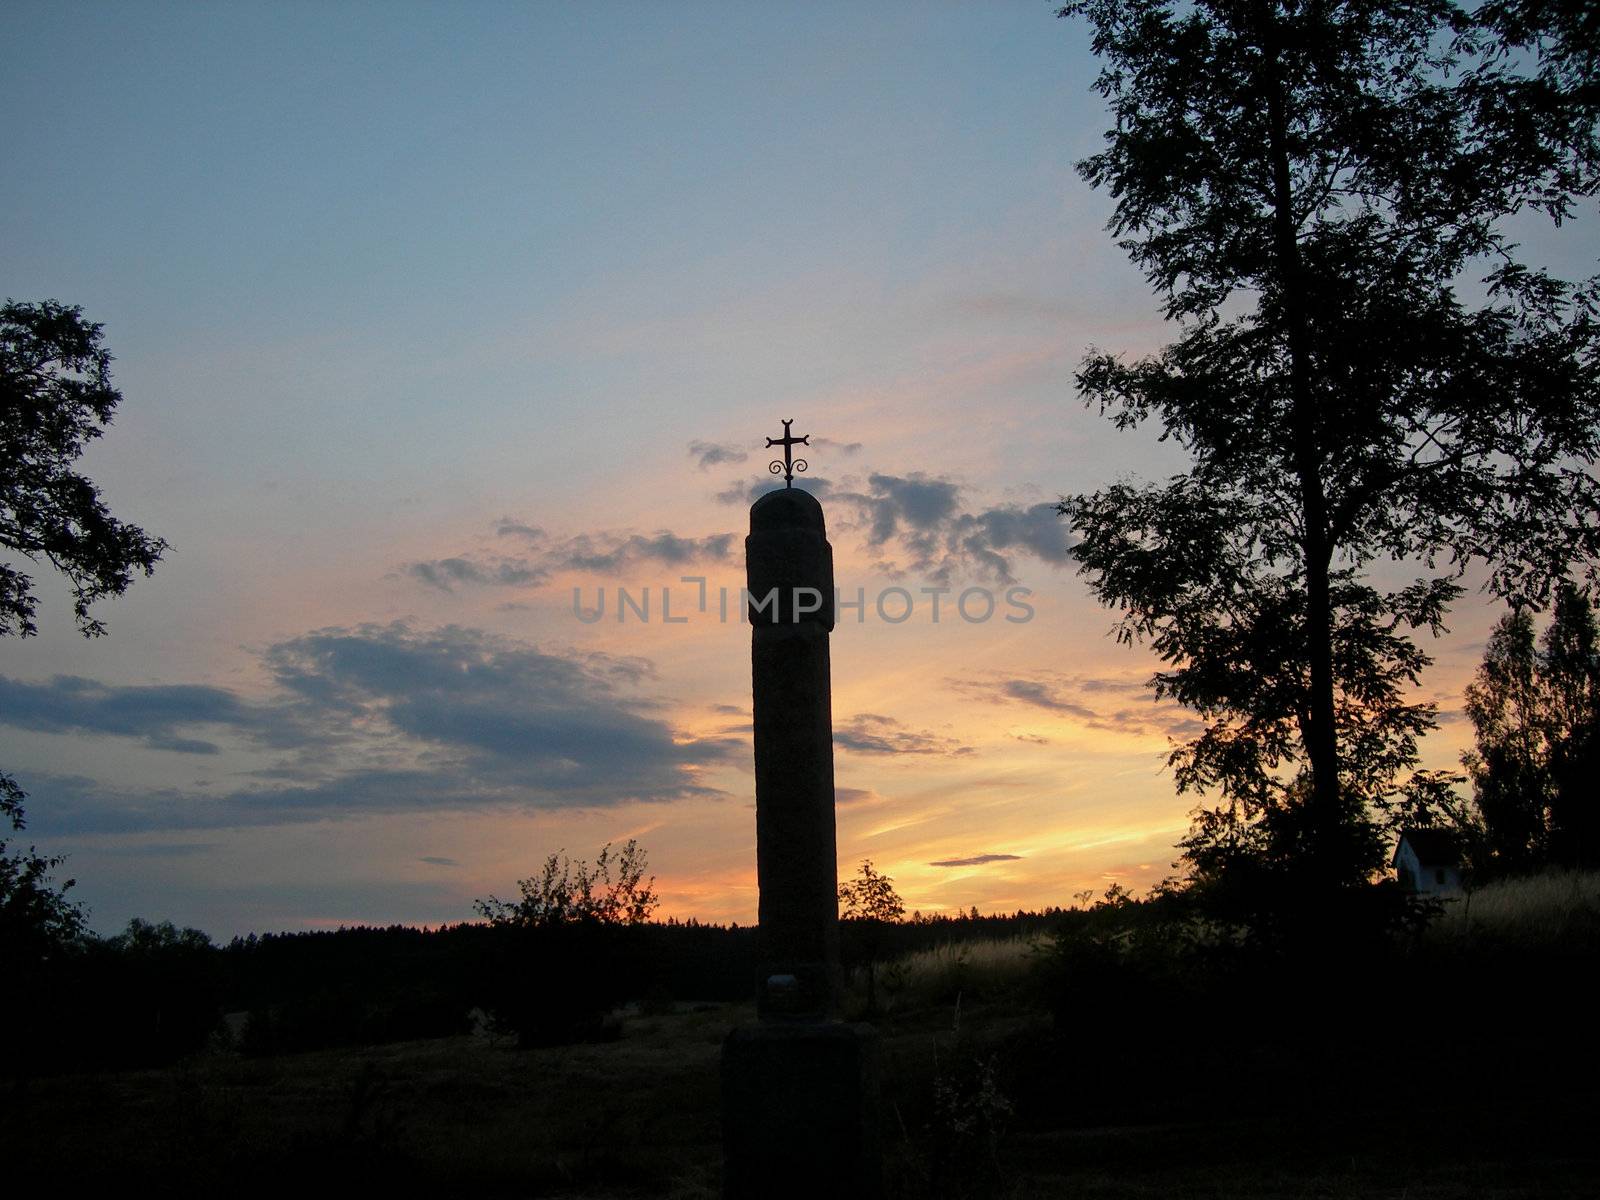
point(787, 508)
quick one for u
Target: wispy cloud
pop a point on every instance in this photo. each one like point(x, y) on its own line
point(446, 573)
point(448, 719)
point(715, 454)
point(611, 552)
point(510, 527)
point(848, 449)
point(751, 489)
point(163, 717)
point(976, 860)
point(925, 519)
point(1112, 704)
point(852, 796)
point(923, 523)
point(872, 733)
point(589, 553)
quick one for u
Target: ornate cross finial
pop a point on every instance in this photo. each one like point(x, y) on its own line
point(789, 465)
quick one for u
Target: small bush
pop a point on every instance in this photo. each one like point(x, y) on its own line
point(562, 983)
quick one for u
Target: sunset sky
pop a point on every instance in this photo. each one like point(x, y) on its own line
point(427, 315)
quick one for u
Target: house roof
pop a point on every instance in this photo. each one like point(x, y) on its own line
point(1436, 847)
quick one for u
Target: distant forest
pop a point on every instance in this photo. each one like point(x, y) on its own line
point(156, 992)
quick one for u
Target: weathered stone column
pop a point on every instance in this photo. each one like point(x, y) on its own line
point(789, 568)
point(798, 1088)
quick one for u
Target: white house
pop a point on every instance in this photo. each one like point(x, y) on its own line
point(1428, 862)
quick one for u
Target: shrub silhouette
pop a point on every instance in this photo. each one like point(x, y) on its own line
point(868, 904)
point(567, 952)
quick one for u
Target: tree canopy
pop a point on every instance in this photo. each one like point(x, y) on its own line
point(870, 896)
point(36, 918)
point(56, 397)
point(612, 892)
point(1366, 372)
point(1535, 712)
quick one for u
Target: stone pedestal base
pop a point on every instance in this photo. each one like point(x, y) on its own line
point(799, 1112)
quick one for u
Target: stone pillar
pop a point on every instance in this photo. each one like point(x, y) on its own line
point(789, 570)
point(799, 1088)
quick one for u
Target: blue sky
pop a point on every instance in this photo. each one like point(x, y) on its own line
point(393, 287)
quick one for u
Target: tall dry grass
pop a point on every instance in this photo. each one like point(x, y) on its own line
point(975, 969)
point(1535, 910)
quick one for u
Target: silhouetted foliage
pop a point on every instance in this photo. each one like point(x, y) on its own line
point(1184, 1065)
point(1306, 186)
point(1250, 872)
point(42, 934)
point(867, 904)
point(1535, 711)
point(1164, 1012)
point(74, 1001)
point(564, 893)
point(37, 921)
point(146, 997)
point(365, 985)
point(154, 993)
point(55, 397)
point(158, 993)
point(350, 987)
point(968, 1117)
point(567, 950)
point(870, 896)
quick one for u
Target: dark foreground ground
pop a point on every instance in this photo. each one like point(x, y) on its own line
point(981, 1103)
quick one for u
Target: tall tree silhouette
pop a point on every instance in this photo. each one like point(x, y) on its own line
point(55, 397)
point(1535, 711)
point(1311, 188)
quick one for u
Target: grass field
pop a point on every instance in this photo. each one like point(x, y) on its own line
point(467, 1116)
point(1136, 1095)
point(1534, 911)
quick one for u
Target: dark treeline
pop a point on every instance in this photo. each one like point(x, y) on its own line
point(365, 985)
point(156, 993)
point(395, 982)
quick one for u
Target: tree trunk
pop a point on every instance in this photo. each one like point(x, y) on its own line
point(1318, 730)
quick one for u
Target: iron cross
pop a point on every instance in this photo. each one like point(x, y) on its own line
point(789, 465)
